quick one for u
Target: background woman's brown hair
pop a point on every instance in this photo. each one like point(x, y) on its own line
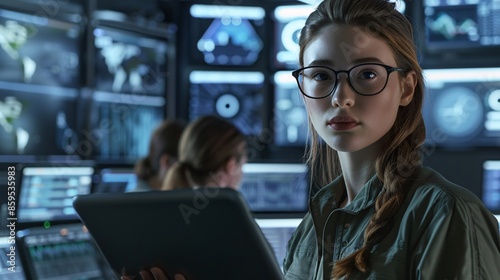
point(206, 145)
point(164, 140)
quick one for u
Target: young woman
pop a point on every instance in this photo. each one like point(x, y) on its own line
point(163, 150)
point(212, 152)
point(381, 214)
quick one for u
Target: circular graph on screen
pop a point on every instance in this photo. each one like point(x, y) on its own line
point(240, 103)
point(458, 112)
point(290, 35)
point(227, 105)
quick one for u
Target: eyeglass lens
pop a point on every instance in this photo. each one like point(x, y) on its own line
point(318, 81)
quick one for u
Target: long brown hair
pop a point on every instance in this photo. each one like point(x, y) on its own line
point(164, 140)
point(400, 156)
point(206, 145)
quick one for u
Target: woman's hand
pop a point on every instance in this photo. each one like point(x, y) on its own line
point(155, 273)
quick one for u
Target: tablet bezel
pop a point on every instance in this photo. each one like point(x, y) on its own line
point(212, 231)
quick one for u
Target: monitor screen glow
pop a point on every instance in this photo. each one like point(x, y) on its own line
point(46, 193)
point(491, 185)
point(233, 95)
point(55, 131)
point(121, 125)
point(289, 112)
point(289, 20)
point(226, 35)
point(276, 187)
point(462, 108)
point(128, 62)
point(39, 50)
point(461, 25)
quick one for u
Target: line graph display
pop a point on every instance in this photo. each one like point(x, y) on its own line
point(449, 28)
point(452, 25)
point(462, 25)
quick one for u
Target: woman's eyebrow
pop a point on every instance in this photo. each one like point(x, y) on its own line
point(321, 62)
point(366, 60)
point(331, 63)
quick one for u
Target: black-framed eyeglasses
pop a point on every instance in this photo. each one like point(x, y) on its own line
point(365, 79)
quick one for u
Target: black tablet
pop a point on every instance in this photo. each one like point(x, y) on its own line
point(206, 233)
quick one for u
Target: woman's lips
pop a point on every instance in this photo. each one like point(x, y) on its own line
point(341, 123)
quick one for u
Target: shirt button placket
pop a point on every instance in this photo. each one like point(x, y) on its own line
point(345, 235)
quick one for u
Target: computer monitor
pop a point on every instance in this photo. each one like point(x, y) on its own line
point(288, 22)
point(39, 50)
point(61, 252)
point(491, 185)
point(276, 187)
point(225, 35)
point(233, 95)
point(46, 193)
point(289, 112)
point(121, 126)
point(278, 231)
point(115, 180)
point(39, 80)
point(21, 116)
point(461, 26)
point(130, 62)
point(462, 108)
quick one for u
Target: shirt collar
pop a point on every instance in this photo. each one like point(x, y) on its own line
point(330, 196)
point(367, 196)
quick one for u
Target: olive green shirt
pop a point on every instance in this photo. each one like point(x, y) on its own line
point(442, 231)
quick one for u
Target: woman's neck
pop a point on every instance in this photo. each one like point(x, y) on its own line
point(357, 169)
point(155, 183)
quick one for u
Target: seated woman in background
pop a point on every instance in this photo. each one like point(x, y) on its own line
point(212, 152)
point(163, 151)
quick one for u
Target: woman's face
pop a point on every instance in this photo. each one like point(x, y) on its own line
point(236, 173)
point(346, 120)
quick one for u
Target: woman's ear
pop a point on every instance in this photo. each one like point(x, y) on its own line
point(165, 162)
point(408, 88)
point(222, 177)
point(231, 165)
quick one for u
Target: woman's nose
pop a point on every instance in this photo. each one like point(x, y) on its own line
point(343, 94)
